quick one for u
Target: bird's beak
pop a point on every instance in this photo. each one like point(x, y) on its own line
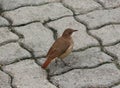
point(75, 30)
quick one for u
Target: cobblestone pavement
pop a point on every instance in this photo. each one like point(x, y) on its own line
point(29, 27)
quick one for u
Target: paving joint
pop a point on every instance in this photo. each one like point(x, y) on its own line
point(85, 67)
point(11, 78)
point(32, 5)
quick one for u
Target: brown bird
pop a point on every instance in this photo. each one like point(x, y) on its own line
point(61, 47)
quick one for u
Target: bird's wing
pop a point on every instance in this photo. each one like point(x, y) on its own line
point(58, 48)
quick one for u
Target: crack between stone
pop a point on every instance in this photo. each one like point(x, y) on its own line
point(11, 78)
point(112, 44)
point(106, 24)
point(4, 26)
point(85, 48)
point(7, 42)
point(74, 68)
point(115, 58)
point(70, 8)
point(55, 34)
point(101, 4)
point(97, 1)
point(48, 78)
point(115, 84)
point(44, 23)
point(30, 5)
point(17, 60)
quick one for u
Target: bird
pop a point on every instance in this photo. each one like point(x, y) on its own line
point(61, 48)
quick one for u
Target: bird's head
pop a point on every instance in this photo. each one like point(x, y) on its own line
point(68, 32)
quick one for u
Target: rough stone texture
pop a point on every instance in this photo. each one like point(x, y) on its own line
point(88, 58)
point(6, 35)
point(12, 52)
point(27, 74)
point(38, 21)
point(115, 50)
point(116, 86)
point(109, 3)
point(12, 4)
point(82, 6)
point(4, 80)
point(108, 34)
point(101, 77)
point(81, 38)
point(37, 37)
point(37, 13)
point(3, 22)
point(100, 17)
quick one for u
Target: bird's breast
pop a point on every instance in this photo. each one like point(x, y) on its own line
point(68, 51)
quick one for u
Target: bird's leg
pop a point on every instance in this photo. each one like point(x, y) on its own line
point(63, 62)
point(56, 61)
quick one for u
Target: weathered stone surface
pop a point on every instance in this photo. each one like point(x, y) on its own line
point(116, 86)
point(12, 4)
point(4, 80)
point(110, 3)
point(88, 58)
point(115, 50)
point(100, 17)
point(37, 13)
point(3, 22)
point(37, 37)
point(81, 38)
point(6, 35)
point(82, 6)
point(12, 52)
point(108, 34)
point(27, 74)
point(100, 77)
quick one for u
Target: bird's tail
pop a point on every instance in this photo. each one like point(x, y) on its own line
point(46, 63)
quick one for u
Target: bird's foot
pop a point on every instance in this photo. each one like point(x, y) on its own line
point(65, 64)
point(56, 62)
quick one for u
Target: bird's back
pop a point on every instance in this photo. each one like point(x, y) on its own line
point(58, 48)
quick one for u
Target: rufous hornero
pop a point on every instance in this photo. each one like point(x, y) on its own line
point(61, 47)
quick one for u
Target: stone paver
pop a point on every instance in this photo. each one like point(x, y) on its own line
point(100, 17)
point(88, 58)
point(6, 35)
point(12, 52)
point(27, 74)
point(108, 34)
point(115, 50)
point(81, 38)
point(4, 80)
point(80, 7)
point(12, 4)
point(37, 13)
point(3, 22)
point(37, 37)
point(109, 3)
point(40, 21)
point(101, 77)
